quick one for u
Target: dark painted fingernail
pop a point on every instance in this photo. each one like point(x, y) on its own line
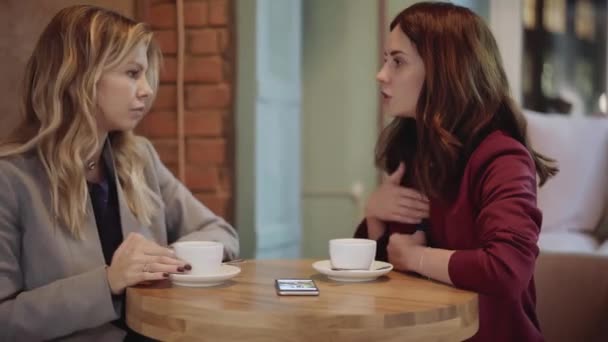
point(166, 275)
point(180, 269)
point(188, 267)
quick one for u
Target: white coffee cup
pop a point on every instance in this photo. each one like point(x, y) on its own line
point(205, 257)
point(352, 254)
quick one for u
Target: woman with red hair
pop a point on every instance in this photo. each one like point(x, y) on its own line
point(459, 204)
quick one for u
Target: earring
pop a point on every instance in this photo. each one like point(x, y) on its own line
point(91, 165)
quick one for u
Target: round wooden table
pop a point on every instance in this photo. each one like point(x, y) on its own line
point(395, 307)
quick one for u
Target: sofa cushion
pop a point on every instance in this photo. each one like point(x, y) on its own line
point(567, 242)
point(572, 296)
point(603, 250)
point(575, 199)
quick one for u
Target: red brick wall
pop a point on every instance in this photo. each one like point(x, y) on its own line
point(209, 85)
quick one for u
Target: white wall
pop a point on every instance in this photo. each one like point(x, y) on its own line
point(339, 113)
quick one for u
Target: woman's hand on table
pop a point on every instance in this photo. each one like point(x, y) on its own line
point(402, 250)
point(139, 260)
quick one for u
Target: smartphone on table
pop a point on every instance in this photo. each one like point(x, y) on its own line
point(296, 287)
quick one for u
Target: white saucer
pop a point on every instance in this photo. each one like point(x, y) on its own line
point(190, 280)
point(324, 267)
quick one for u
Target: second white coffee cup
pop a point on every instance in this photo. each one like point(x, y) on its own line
point(205, 257)
point(352, 254)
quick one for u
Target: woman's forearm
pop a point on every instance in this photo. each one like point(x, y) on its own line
point(430, 262)
point(57, 309)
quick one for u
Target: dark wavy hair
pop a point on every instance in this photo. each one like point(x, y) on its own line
point(465, 96)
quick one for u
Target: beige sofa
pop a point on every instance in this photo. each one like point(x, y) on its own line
point(572, 269)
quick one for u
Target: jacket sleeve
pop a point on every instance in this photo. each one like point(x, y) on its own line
point(187, 218)
point(508, 224)
point(57, 309)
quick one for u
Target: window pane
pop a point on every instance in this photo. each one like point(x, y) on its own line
point(564, 67)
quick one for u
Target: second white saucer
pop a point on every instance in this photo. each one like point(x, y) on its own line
point(191, 280)
point(324, 267)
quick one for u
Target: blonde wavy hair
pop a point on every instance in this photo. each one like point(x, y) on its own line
point(60, 104)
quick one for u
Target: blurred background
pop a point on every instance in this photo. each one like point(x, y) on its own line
point(281, 106)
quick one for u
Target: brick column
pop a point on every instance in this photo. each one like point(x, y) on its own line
point(209, 84)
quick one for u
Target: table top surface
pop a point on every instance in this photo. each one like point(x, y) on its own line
point(395, 300)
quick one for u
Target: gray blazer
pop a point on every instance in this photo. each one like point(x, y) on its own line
point(53, 286)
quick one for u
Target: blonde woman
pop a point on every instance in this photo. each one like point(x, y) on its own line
point(86, 207)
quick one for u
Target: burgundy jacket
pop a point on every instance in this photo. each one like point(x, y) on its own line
point(493, 225)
